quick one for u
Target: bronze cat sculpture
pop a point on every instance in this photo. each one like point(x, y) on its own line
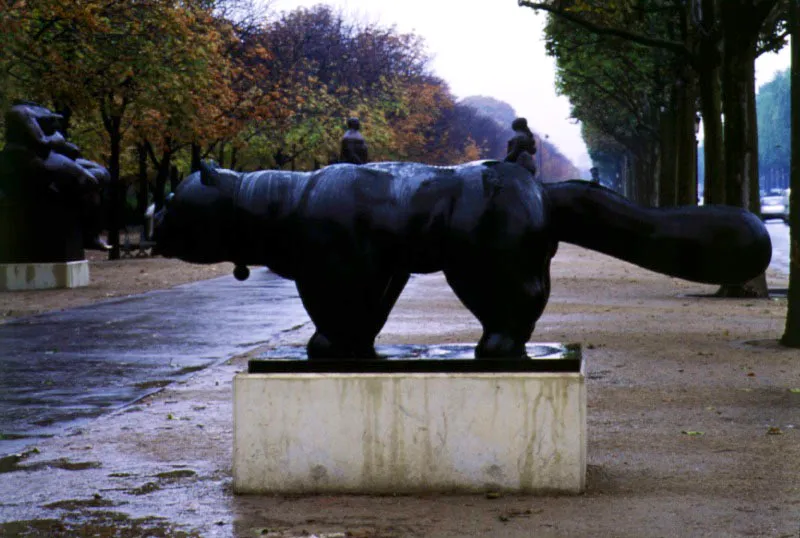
point(350, 236)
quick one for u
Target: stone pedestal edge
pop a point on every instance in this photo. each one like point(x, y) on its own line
point(43, 276)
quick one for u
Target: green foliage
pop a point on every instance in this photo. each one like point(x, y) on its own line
point(614, 85)
point(774, 125)
point(690, 44)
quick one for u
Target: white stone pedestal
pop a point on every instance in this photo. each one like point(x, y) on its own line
point(378, 433)
point(42, 276)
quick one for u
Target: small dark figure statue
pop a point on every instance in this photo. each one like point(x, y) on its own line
point(350, 236)
point(522, 146)
point(595, 175)
point(354, 147)
point(39, 167)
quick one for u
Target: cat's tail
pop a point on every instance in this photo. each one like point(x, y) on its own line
point(709, 244)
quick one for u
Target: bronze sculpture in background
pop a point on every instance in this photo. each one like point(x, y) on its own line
point(354, 147)
point(522, 146)
point(51, 196)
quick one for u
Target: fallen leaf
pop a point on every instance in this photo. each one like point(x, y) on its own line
point(774, 430)
point(690, 432)
point(795, 390)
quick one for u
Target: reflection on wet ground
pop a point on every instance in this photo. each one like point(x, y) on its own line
point(417, 351)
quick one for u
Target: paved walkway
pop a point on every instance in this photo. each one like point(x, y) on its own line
point(62, 368)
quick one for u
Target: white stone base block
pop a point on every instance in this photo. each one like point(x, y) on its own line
point(409, 433)
point(42, 276)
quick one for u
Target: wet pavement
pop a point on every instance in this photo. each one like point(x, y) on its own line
point(61, 368)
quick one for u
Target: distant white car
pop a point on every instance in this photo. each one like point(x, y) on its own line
point(775, 206)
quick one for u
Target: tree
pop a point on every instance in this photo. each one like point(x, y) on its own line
point(327, 68)
point(607, 35)
point(773, 104)
point(791, 333)
point(216, 112)
point(711, 41)
point(115, 59)
point(615, 86)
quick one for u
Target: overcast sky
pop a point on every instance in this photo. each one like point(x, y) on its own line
point(493, 48)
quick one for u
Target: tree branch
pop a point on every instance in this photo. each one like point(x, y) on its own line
point(642, 39)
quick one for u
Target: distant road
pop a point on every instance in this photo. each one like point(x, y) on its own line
point(779, 232)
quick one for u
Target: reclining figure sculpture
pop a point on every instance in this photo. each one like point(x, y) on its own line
point(350, 236)
point(51, 197)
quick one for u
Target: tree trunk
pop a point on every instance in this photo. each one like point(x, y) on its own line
point(142, 195)
point(738, 87)
point(221, 154)
point(627, 177)
point(754, 203)
point(196, 157)
point(791, 332)
point(162, 176)
point(643, 177)
point(234, 152)
point(753, 289)
point(686, 177)
point(741, 151)
point(115, 187)
point(667, 175)
point(651, 154)
point(711, 110)
point(735, 107)
point(634, 189)
point(66, 114)
point(174, 178)
point(709, 61)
